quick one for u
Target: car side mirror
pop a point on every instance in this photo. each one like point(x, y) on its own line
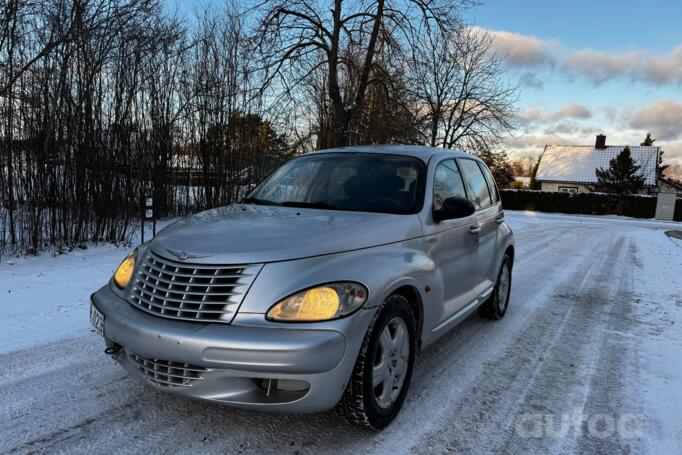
point(453, 208)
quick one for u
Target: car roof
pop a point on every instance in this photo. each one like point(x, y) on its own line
point(416, 151)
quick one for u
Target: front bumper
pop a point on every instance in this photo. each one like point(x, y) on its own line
point(242, 364)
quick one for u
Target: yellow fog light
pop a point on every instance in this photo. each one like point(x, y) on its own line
point(125, 271)
point(320, 303)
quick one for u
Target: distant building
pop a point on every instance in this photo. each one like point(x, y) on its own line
point(572, 168)
point(523, 182)
point(668, 186)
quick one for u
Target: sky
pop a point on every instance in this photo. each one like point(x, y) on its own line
point(589, 67)
point(584, 68)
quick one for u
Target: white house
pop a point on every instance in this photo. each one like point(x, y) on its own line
point(572, 168)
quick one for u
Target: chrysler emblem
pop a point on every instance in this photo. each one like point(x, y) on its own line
point(183, 255)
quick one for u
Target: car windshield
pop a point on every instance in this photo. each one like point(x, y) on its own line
point(366, 182)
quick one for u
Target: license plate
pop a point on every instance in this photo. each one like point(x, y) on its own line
point(97, 320)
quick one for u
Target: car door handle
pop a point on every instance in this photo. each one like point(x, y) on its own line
point(474, 230)
point(500, 218)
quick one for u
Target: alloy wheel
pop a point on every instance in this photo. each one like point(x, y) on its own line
point(391, 362)
point(503, 287)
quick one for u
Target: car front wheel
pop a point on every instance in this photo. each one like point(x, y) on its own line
point(496, 305)
point(383, 369)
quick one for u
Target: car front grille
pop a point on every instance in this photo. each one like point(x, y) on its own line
point(192, 292)
point(165, 373)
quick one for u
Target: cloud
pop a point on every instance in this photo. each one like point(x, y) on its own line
point(531, 80)
point(666, 69)
point(609, 112)
point(673, 152)
point(534, 115)
point(521, 50)
point(533, 144)
point(599, 67)
point(534, 53)
point(662, 117)
point(640, 66)
point(571, 127)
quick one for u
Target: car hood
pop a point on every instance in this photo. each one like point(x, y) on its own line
point(247, 234)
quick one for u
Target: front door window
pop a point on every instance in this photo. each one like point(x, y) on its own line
point(447, 182)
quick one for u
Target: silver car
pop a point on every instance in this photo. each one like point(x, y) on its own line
point(319, 288)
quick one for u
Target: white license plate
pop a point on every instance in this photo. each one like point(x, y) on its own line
point(97, 320)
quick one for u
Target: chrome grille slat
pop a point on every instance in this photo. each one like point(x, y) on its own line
point(164, 306)
point(170, 364)
point(151, 372)
point(166, 373)
point(187, 291)
point(190, 275)
point(174, 281)
point(190, 292)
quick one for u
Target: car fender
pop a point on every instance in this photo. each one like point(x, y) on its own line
point(381, 270)
point(505, 239)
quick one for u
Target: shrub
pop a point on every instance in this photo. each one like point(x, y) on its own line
point(633, 205)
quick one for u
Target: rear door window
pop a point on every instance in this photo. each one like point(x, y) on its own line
point(475, 182)
point(491, 183)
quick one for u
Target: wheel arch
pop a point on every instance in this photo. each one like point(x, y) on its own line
point(510, 251)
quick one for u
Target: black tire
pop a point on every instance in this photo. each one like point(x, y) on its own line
point(496, 305)
point(358, 404)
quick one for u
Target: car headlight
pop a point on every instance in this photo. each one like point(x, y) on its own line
point(124, 272)
point(321, 303)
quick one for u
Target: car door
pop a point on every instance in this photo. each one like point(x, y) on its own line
point(479, 193)
point(489, 248)
point(451, 246)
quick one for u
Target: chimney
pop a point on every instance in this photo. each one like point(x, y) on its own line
point(601, 142)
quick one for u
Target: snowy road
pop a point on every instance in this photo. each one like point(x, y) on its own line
point(587, 360)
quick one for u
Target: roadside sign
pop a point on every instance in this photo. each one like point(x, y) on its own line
point(147, 214)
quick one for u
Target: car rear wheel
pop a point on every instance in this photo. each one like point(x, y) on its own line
point(383, 369)
point(496, 305)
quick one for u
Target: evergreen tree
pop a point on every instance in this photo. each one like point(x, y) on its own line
point(621, 177)
point(648, 140)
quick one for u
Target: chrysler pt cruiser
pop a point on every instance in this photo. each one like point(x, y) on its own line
point(319, 288)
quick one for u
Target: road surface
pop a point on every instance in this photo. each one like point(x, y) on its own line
point(586, 361)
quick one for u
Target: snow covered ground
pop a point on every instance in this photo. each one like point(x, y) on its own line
point(47, 298)
point(587, 360)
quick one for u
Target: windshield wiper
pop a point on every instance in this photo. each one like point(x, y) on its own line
point(257, 201)
point(310, 205)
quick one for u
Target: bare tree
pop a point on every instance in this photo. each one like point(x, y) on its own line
point(130, 102)
point(295, 35)
point(456, 84)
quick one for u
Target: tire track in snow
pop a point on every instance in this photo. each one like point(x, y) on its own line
point(532, 374)
point(612, 391)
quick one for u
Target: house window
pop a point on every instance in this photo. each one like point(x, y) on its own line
point(568, 189)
